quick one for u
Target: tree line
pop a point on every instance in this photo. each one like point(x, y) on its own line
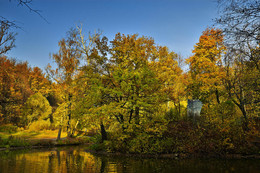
point(134, 92)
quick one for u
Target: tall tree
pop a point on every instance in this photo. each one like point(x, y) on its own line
point(242, 85)
point(166, 67)
point(14, 88)
point(134, 84)
point(240, 22)
point(127, 79)
point(206, 67)
point(67, 60)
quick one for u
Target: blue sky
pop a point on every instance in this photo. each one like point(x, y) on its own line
point(176, 24)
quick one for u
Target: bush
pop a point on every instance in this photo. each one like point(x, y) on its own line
point(9, 128)
point(172, 115)
point(96, 143)
point(12, 141)
point(146, 138)
point(40, 125)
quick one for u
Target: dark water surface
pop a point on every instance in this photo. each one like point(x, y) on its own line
point(75, 159)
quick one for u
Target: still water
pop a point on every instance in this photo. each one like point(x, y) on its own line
point(76, 159)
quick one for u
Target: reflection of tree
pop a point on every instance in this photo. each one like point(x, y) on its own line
point(50, 165)
point(103, 166)
point(67, 161)
point(58, 156)
point(79, 161)
point(49, 161)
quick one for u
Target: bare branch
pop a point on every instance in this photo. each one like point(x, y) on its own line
point(7, 38)
point(86, 44)
point(27, 4)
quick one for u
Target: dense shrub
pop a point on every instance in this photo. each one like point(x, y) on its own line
point(12, 141)
point(9, 128)
point(40, 125)
point(183, 137)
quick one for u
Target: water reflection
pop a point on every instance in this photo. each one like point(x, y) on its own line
point(66, 160)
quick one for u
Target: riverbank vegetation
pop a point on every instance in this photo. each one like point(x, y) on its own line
point(131, 94)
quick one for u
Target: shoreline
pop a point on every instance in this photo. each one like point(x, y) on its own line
point(52, 142)
point(141, 155)
point(47, 143)
point(176, 155)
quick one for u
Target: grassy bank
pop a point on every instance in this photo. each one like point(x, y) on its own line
point(179, 138)
point(45, 138)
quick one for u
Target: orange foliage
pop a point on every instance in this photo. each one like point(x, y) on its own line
point(206, 67)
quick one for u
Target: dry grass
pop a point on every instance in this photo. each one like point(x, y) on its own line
point(25, 134)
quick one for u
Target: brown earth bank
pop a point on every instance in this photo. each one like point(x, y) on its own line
point(48, 142)
point(52, 142)
point(176, 155)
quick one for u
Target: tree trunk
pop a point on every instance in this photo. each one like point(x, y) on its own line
point(131, 115)
point(241, 106)
point(60, 129)
point(103, 166)
point(179, 102)
point(51, 118)
point(217, 96)
point(103, 133)
point(137, 120)
point(59, 133)
point(69, 117)
point(245, 122)
point(72, 134)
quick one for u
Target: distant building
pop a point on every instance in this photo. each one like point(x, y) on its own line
point(194, 109)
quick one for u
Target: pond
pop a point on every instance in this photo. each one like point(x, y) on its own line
point(76, 159)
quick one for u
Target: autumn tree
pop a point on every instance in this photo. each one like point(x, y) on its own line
point(242, 85)
point(127, 79)
point(14, 88)
point(166, 67)
point(239, 20)
point(89, 81)
point(136, 86)
point(206, 67)
point(67, 60)
point(36, 108)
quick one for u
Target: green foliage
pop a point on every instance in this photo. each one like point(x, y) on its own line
point(40, 125)
point(36, 108)
point(9, 128)
point(12, 141)
point(60, 114)
point(172, 115)
point(144, 138)
point(135, 91)
point(182, 137)
point(96, 143)
point(126, 80)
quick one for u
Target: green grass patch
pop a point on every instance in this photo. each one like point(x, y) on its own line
point(38, 138)
point(12, 141)
point(45, 134)
point(8, 128)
